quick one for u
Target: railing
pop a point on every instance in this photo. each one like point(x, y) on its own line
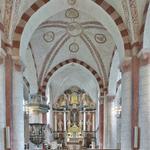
point(38, 103)
point(38, 99)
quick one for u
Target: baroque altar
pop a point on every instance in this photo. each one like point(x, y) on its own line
point(74, 118)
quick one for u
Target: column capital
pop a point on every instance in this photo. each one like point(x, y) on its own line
point(101, 100)
point(144, 56)
point(18, 65)
point(110, 98)
point(126, 65)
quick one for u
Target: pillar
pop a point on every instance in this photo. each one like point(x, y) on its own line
point(126, 104)
point(93, 121)
point(105, 122)
point(2, 102)
point(84, 119)
point(17, 111)
point(144, 100)
point(55, 121)
point(8, 100)
point(101, 122)
point(109, 123)
point(65, 119)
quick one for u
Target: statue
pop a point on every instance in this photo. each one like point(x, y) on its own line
point(81, 123)
point(60, 125)
point(62, 101)
point(68, 124)
point(85, 99)
point(89, 125)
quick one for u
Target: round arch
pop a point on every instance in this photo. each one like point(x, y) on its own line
point(100, 81)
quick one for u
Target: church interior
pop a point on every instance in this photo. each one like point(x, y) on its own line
point(74, 74)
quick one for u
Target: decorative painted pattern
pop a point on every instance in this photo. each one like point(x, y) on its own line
point(24, 19)
point(71, 2)
point(125, 7)
point(73, 47)
point(135, 26)
point(53, 52)
point(100, 38)
point(74, 29)
point(119, 22)
point(48, 36)
point(72, 13)
point(7, 18)
point(58, 22)
point(108, 8)
point(95, 55)
point(42, 89)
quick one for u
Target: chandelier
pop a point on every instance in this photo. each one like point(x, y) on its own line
point(37, 135)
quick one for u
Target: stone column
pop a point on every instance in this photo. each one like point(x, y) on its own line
point(102, 122)
point(109, 123)
point(8, 100)
point(126, 105)
point(55, 121)
point(84, 120)
point(2, 102)
point(17, 111)
point(65, 119)
point(93, 121)
point(144, 99)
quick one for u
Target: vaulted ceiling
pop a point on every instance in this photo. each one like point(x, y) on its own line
point(62, 30)
point(62, 37)
point(68, 34)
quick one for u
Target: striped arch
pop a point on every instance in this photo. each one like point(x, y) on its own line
point(119, 22)
point(107, 7)
point(68, 61)
point(24, 19)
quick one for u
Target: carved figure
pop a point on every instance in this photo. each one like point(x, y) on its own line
point(60, 125)
point(89, 124)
